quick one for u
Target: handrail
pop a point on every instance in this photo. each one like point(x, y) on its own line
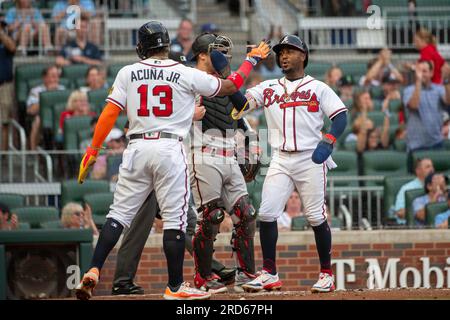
point(23, 143)
point(49, 166)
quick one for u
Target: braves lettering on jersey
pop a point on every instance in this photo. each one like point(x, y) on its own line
point(297, 115)
point(159, 95)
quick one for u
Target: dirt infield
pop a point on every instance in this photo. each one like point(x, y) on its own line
point(385, 294)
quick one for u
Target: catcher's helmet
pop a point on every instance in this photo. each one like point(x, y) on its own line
point(206, 42)
point(151, 35)
point(291, 41)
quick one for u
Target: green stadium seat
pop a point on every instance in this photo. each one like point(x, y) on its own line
point(432, 210)
point(299, 223)
point(71, 128)
point(121, 121)
point(318, 69)
point(72, 191)
point(447, 144)
point(25, 73)
point(47, 100)
point(440, 158)
point(12, 200)
point(400, 145)
point(99, 203)
point(24, 226)
point(409, 198)
point(113, 69)
point(395, 105)
point(52, 225)
point(347, 165)
point(97, 98)
point(341, 139)
point(36, 215)
point(383, 163)
point(355, 69)
point(350, 145)
point(254, 190)
point(84, 134)
point(377, 117)
point(75, 71)
point(336, 223)
point(376, 92)
point(58, 108)
point(377, 105)
point(392, 186)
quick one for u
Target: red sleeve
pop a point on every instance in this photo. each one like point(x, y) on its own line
point(62, 118)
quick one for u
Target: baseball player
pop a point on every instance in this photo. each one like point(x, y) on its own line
point(216, 179)
point(294, 107)
point(158, 95)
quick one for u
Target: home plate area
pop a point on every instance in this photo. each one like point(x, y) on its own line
point(360, 294)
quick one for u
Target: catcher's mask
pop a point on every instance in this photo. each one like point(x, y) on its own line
point(207, 42)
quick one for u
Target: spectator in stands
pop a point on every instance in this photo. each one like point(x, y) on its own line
point(377, 67)
point(80, 50)
point(226, 225)
point(61, 16)
point(292, 209)
point(95, 79)
point(115, 145)
point(423, 167)
point(362, 102)
point(345, 89)
point(268, 69)
point(332, 77)
point(390, 86)
point(77, 106)
point(7, 51)
point(8, 220)
point(73, 216)
point(436, 191)
point(441, 220)
point(185, 36)
point(359, 124)
point(424, 103)
point(446, 127)
point(50, 77)
point(27, 24)
point(425, 42)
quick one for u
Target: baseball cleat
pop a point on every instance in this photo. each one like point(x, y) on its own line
point(265, 281)
point(210, 284)
point(85, 288)
point(240, 279)
point(185, 292)
point(324, 284)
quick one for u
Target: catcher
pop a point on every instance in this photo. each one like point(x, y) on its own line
point(217, 183)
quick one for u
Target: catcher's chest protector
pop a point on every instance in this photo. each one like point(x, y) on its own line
point(217, 116)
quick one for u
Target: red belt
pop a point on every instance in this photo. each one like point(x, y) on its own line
point(218, 151)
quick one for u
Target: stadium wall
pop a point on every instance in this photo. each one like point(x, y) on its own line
point(361, 259)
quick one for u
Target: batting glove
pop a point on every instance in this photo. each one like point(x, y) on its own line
point(89, 158)
point(259, 53)
point(324, 149)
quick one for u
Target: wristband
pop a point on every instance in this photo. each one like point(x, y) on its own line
point(330, 137)
point(237, 80)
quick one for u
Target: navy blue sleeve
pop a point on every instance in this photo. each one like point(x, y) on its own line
point(238, 99)
point(338, 125)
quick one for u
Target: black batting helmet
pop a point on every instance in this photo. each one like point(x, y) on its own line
point(291, 41)
point(206, 42)
point(151, 35)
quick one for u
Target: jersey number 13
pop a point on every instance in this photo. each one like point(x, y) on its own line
point(164, 92)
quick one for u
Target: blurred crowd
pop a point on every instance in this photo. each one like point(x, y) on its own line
point(402, 106)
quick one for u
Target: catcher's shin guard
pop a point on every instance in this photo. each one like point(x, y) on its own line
point(203, 241)
point(244, 219)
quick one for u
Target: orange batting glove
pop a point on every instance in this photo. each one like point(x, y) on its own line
point(87, 162)
point(259, 53)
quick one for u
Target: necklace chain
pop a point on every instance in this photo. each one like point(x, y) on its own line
point(286, 95)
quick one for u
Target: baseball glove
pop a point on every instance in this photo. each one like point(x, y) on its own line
point(252, 164)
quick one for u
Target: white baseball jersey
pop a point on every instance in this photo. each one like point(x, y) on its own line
point(159, 95)
point(298, 117)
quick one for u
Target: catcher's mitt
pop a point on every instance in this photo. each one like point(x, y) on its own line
point(252, 163)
